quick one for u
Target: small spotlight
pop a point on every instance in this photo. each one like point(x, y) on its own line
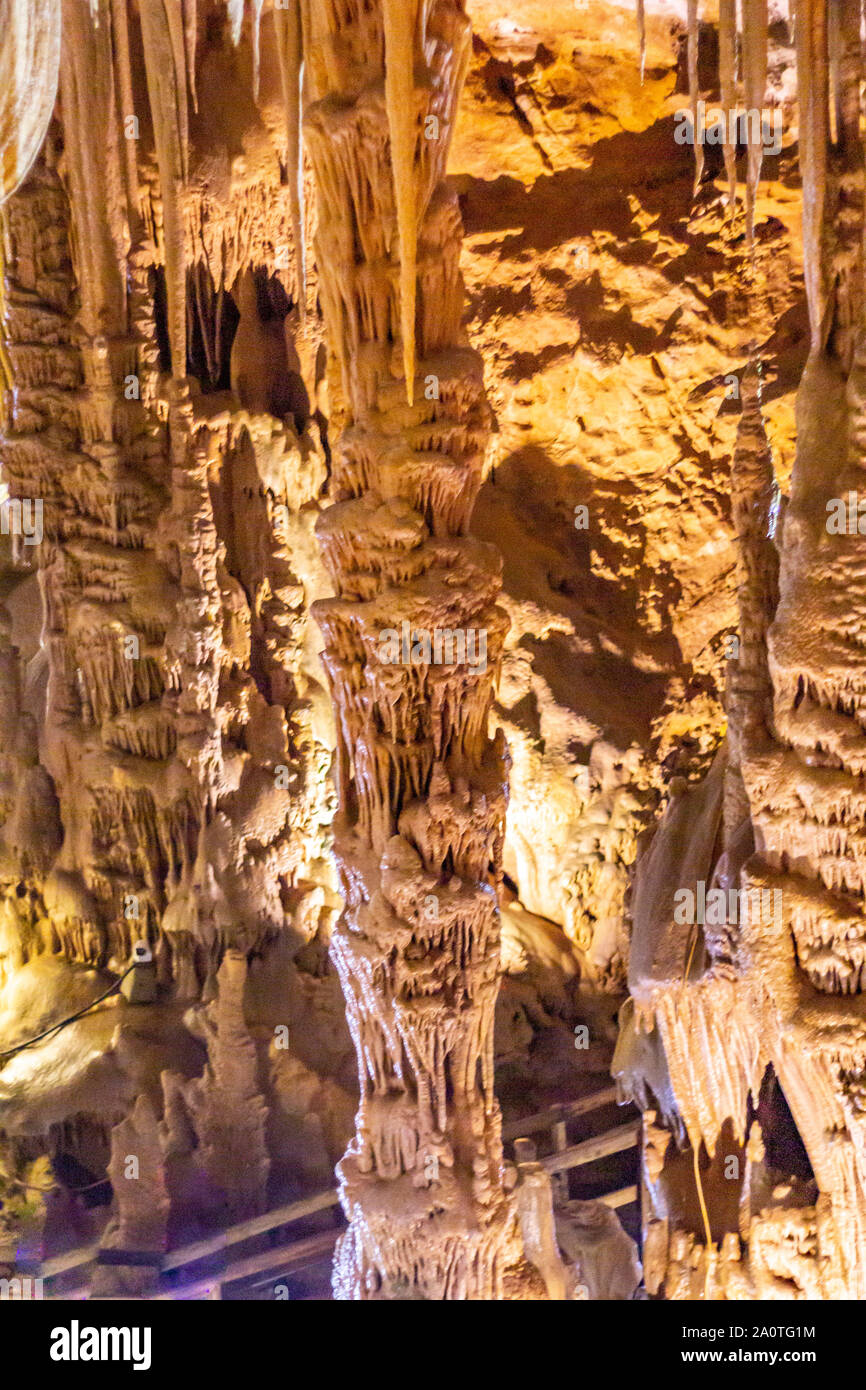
point(139, 986)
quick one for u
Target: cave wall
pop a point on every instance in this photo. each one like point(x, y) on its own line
point(168, 732)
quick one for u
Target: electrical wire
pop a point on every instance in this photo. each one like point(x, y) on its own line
point(696, 1147)
point(55, 1027)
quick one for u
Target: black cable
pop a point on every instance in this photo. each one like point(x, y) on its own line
point(55, 1027)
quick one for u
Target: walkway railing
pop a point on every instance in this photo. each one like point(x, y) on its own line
point(296, 1255)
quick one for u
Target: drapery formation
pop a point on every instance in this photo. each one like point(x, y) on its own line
point(29, 64)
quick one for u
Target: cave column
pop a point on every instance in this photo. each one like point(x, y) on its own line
point(413, 642)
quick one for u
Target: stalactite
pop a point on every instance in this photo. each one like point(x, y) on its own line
point(849, 77)
point(287, 23)
point(168, 105)
point(236, 19)
point(813, 102)
point(834, 82)
point(754, 499)
point(641, 36)
point(754, 87)
point(694, 90)
point(96, 172)
point(256, 21)
point(125, 109)
point(727, 83)
point(177, 38)
point(400, 18)
point(190, 29)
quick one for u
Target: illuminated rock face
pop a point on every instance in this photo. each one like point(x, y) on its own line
point(165, 753)
point(763, 1031)
point(413, 642)
point(165, 729)
point(165, 762)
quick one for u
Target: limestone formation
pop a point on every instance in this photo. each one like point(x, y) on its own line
point(431, 648)
point(758, 1012)
point(413, 641)
point(164, 752)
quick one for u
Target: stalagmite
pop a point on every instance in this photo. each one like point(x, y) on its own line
point(224, 1111)
point(137, 1172)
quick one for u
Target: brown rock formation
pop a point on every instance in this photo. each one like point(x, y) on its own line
point(163, 755)
point(762, 1034)
point(623, 579)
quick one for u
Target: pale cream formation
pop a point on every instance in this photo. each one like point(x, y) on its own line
point(422, 786)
